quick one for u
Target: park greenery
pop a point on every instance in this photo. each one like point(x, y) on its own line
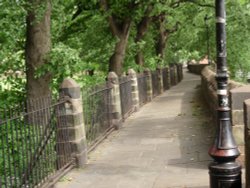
point(43, 42)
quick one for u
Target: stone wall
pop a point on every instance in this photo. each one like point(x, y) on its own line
point(208, 86)
point(196, 68)
point(237, 95)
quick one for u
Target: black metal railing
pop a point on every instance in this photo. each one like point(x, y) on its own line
point(126, 96)
point(97, 112)
point(155, 83)
point(142, 88)
point(28, 150)
point(35, 148)
point(165, 78)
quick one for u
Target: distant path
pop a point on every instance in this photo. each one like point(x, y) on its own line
point(163, 145)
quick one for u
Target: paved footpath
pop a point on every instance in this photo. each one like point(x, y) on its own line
point(164, 145)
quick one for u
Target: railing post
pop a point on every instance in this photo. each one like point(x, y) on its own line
point(224, 172)
point(160, 79)
point(147, 72)
point(74, 127)
point(115, 100)
point(135, 90)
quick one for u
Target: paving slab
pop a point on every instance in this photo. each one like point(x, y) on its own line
point(164, 145)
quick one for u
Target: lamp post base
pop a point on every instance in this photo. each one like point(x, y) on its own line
point(225, 175)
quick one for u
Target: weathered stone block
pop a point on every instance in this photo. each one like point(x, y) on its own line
point(73, 133)
point(70, 88)
point(81, 159)
point(78, 146)
point(237, 117)
point(135, 93)
point(149, 85)
point(247, 140)
point(238, 95)
point(71, 120)
point(238, 132)
point(115, 100)
point(196, 68)
point(247, 114)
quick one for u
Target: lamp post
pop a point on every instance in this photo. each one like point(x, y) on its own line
point(207, 31)
point(224, 171)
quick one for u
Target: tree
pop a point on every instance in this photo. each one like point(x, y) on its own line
point(141, 29)
point(163, 34)
point(37, 47)
point(120, 25)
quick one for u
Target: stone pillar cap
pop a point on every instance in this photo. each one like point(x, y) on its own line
point(112, 77)
point(69, 83)
point(132, 72)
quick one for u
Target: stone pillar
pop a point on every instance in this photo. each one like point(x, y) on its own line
point(175, 74)
point(172, 69)
point(74, 128)
point(115, 100)
point(168, 78)
point(179, 72)
point(135, 90)
point(247, 140)
point(237, 98)
point(160, 79)
point(147, 72)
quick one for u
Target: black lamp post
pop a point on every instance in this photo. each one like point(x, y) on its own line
point(207, 31)
point(224, 172)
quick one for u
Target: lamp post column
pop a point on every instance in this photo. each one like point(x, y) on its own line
point(224, 172)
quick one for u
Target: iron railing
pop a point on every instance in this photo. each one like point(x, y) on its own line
point(126, 96)
point(35, 147)
point(142, 88)
point(155, 83)
point(29, 156)
point(97, 112)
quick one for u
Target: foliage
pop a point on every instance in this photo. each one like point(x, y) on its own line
point(12, 36)
point(238, 27)
point(190, 41)
point(82, 40)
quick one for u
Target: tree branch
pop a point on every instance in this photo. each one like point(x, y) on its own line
point(112, 23)
point(143, 24)
point(177, 3)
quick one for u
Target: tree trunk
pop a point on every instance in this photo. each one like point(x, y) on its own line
point(141, 30)
point(139, 58)
point(161, 45)
point(38, 44)
point(120, 28)
point(163, 34)
point(116, 60)
point(37, 47)
point(142, 27)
